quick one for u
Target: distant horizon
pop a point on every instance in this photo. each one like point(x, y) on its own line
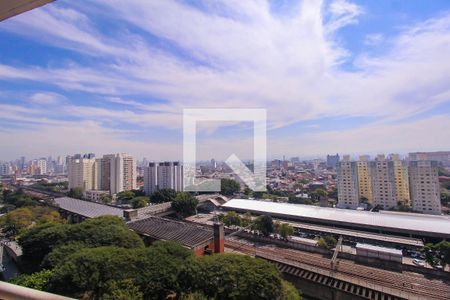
point(312, 157)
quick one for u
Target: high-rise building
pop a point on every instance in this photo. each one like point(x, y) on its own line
point(150, 178)
point(116, 173)
point(170, 176)
point(401, 179)
point(424, 185)
point(112, 172)
point(364, 179)
point(22, 163)
point(442, 157)
point(42, 165)
point(347, 181)
point(383, 183)
point(5, 169)
point(81, 173)
point(332, 161)
point(163, 175)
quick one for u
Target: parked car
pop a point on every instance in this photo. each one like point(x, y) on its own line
point(418, 262)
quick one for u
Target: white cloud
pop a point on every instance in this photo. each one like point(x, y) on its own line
point(373, 39)
point(241, 56)
point(47, 98)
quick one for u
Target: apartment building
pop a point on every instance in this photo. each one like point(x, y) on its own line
point(401, 179)
point(81, 173)
point(117, 173)
point(364, 179)
point(347, 182)
point(163, 175)
point(150, 178)
point(170, 175)
point(383, 182)
point(424, 184)
point(113, 172)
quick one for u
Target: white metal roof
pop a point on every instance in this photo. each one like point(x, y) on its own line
point(87, 208)
point(409, 222)
point(378, 249)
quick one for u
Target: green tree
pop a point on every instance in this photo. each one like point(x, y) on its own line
point(232, 276)
point(327, 242)
point(122, 290)
point(39, 241)
point(289, 292)
point(38, 281)
point(163, 195)
point(264, 224)
point(125, 196)
point(232, 218)
point(185, 204)
point(229, 187)
point(286, 230)
point(193, 296)
point(246, 219)
point(17, 198)
point(247, 191)
point(438, 253)
point(445, 199)
point(106, 198)
point(76, 193)
point(18, 220)
point(105, 272)
point(138, 192)
point(89, 270)
point(139, 202)
point(60, 253)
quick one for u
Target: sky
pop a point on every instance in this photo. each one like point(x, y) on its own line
point(107, 76)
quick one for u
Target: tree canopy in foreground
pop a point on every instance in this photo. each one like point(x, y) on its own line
point(101, 259)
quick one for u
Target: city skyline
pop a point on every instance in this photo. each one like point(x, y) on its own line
point(372, 79)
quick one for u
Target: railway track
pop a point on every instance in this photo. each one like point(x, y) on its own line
point(399, 281)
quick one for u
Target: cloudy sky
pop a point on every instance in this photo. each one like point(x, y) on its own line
point(334, 76)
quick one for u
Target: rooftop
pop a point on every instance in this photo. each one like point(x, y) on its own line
point(86, 208)
point(409, 223)
point(379, 249)
point(188, 234)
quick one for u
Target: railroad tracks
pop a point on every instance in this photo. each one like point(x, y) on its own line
point(402, 282)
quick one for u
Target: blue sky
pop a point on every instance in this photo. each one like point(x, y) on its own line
point(334, 76)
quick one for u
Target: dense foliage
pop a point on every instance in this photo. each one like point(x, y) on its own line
point(229, 187)
point(140, 201)
point(327, 242)
point(264, 224)
point(163, 195)
point(185, 204)
point(76, 193)
point(39, 241)
point(231, 276)
point(117, 266)
point(438, 254)
point(18, 198)
point(18, 220)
